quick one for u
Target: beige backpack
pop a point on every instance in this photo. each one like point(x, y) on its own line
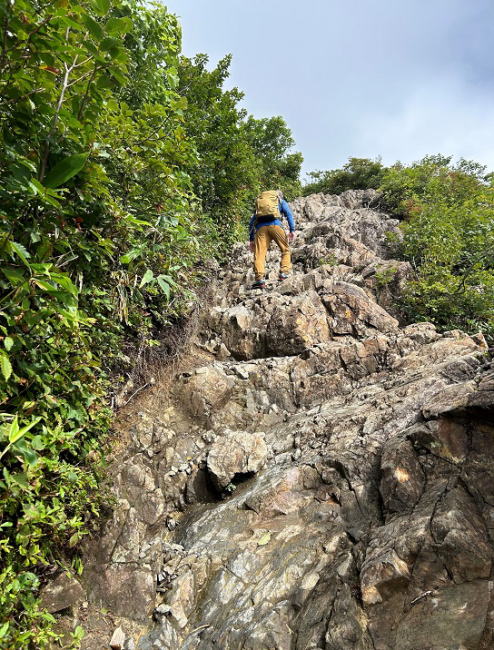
point(267, 204)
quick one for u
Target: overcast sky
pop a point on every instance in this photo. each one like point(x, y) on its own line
point(393, 78)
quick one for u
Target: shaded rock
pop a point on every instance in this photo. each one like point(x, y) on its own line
point(127, 589)
point(198, 489)
point(402, 477)
point(63, 592)
point(434, 622)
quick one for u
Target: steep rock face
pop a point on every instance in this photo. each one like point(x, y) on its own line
point(363, 513)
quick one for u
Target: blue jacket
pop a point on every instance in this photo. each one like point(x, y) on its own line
point(284, 210)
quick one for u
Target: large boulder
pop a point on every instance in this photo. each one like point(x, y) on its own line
point(234, 454)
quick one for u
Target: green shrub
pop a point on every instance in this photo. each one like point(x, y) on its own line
point(447, 213)
point(106, 217)
point(356, 174)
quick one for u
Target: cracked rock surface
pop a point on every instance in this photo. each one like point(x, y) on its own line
point(322, 478)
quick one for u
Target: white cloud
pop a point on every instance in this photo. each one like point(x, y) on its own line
point(359, 78)
point(439, 117)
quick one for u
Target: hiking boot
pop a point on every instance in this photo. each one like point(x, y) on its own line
point(282, 276)
point(259, 284)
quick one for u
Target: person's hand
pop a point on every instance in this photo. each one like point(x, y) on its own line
point(291, 237)
point(251, 246)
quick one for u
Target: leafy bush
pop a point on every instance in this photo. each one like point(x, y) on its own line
point(449, 240)
point(107, 212)
point(405, 188)
point(447, 213)
point(356, 174)
point(238, 155)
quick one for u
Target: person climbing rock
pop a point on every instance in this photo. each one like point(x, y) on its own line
point(266, 226)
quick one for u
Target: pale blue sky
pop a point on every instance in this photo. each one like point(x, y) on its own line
point(396, 78)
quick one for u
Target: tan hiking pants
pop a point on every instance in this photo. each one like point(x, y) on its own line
point(263, 238)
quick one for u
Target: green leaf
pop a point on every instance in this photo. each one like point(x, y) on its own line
point(93, 27)
point(65, 170)
point(109, 43)
point(102, 7)
point(14, 276)
point(5, 627)
point(37, 443)
point(8, 342)
point(43, 284)
point(5, 365)
point(66, 283)
point(265, 539)
point(14, 429)
point(146, 278)
point(104, 81)
point(20, 251)
point(130, 256)
point(119, 25)
point(74, 540)
point(23, 448)
point(165, 287)
point(16, 434)
point(21, 480)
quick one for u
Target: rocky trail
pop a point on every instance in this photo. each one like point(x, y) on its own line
point(319, 478)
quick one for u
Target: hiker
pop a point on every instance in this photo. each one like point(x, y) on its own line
point(265, 226)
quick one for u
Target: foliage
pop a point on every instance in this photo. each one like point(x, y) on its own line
point(449, 240)
point(404, 188)
point(356, 174)
point(271, 141)
point(122, 167)
point(447, 213)
point(237, 154)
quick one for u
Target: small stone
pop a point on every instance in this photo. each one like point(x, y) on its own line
point(118, 639)
point(65, 591)
point(241, 372)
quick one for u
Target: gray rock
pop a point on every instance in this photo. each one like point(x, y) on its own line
point(235, 453)
point(63, 592)
point(369, 521)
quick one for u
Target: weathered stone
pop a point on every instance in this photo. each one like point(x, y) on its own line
point(235, 453)
point(453, 399)
point(367, 520)
point(63, 592)
point(128, 590)
point(118, 639)
point(297, 326)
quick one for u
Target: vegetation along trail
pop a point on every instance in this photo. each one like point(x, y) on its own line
point(302, 466)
